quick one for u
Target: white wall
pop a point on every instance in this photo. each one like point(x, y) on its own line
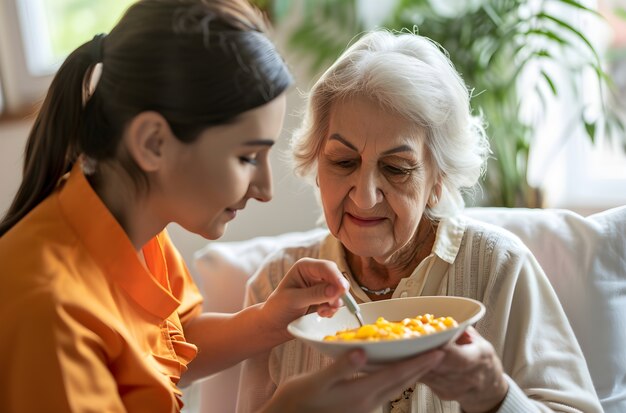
point(12, 141)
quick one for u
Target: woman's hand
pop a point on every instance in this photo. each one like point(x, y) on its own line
point(310, 285)
point(335, 389)
point(470, 373)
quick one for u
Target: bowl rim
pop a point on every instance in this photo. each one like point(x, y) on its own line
point(475, 317)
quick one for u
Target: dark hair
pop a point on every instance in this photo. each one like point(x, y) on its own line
point(197, 62)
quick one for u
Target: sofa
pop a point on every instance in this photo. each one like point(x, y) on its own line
point(584, 258)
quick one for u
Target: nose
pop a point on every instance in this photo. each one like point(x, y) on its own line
point(261, 184)
point(366, 192)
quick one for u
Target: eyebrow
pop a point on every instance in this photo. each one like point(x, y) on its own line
point(401, 148)
point(338, 137)
point(259, 142)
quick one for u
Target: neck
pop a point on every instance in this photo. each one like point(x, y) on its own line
point(132, 211)
point(378, 275)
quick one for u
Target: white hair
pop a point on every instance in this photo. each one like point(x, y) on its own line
point(412, 76)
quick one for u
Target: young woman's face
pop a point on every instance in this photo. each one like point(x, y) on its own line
point(211, 179)
point(374, 178)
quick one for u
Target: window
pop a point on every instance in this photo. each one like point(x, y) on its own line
point(600, 177)
point(36, 35)
point(574, 172)
point(51, 29)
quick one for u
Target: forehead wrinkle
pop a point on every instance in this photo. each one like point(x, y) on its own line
point(407, 143)
point(407, 136)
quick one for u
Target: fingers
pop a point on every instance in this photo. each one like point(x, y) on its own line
point(453, 385)
point(335, 389)
point(344, 368)
point(312, 281)
point(387, 378)
point(326, 310)
point(471, 373)
point(312, 271)
point(324, 295)
point(386, 382)
point(309, 284)
point(462, 355)
point(331, 390)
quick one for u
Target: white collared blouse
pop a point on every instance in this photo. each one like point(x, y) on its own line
point(524, 321)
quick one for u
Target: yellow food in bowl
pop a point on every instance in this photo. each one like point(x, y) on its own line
point(392, 330)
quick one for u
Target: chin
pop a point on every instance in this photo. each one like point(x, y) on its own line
point(211, 232)
point(218, 233)
point(366, 249)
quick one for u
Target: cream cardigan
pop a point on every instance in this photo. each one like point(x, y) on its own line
point(524, 321)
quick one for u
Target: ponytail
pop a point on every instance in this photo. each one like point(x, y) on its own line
point(53, 142)
point(196, 63)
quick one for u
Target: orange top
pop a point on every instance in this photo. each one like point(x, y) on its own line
point(85, 326)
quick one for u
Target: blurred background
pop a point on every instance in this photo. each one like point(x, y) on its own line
point(549, 77)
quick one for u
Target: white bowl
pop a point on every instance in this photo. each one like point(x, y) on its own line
point(312, 328)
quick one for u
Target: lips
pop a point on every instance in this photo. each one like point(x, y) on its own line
point(231, 213)
point(365, 221)
point(233, 209)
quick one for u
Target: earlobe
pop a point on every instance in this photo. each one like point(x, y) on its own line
point(438, 189)
point(145, 139)
point(434, 200)
point(435, 195)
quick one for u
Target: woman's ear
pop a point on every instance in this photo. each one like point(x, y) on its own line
point(435, 194)
point(438, 189)
point(145, 139)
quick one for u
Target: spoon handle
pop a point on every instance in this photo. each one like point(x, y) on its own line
point(353, 307)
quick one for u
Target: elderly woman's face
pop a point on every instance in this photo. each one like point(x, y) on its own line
point(374, 177)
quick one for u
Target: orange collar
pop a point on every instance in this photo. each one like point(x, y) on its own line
point(112, 250)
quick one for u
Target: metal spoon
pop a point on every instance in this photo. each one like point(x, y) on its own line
point(353, 307)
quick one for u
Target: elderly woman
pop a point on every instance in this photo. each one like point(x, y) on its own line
point(389, 139)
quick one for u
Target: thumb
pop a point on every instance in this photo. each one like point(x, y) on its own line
point(464, 338)
point(467, 337)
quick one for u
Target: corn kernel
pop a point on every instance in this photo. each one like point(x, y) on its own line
point(383, 329)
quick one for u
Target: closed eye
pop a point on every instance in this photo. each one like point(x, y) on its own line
point(344, 164)
point(394, 170)
point(248, 160)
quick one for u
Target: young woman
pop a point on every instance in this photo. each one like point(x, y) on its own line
point(97, 308)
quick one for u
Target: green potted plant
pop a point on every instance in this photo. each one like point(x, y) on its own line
point(490, 42)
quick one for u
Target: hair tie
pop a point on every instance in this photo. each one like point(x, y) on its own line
point(97, 47)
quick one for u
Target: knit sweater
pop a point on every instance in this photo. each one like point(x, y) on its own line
point(524, 321)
